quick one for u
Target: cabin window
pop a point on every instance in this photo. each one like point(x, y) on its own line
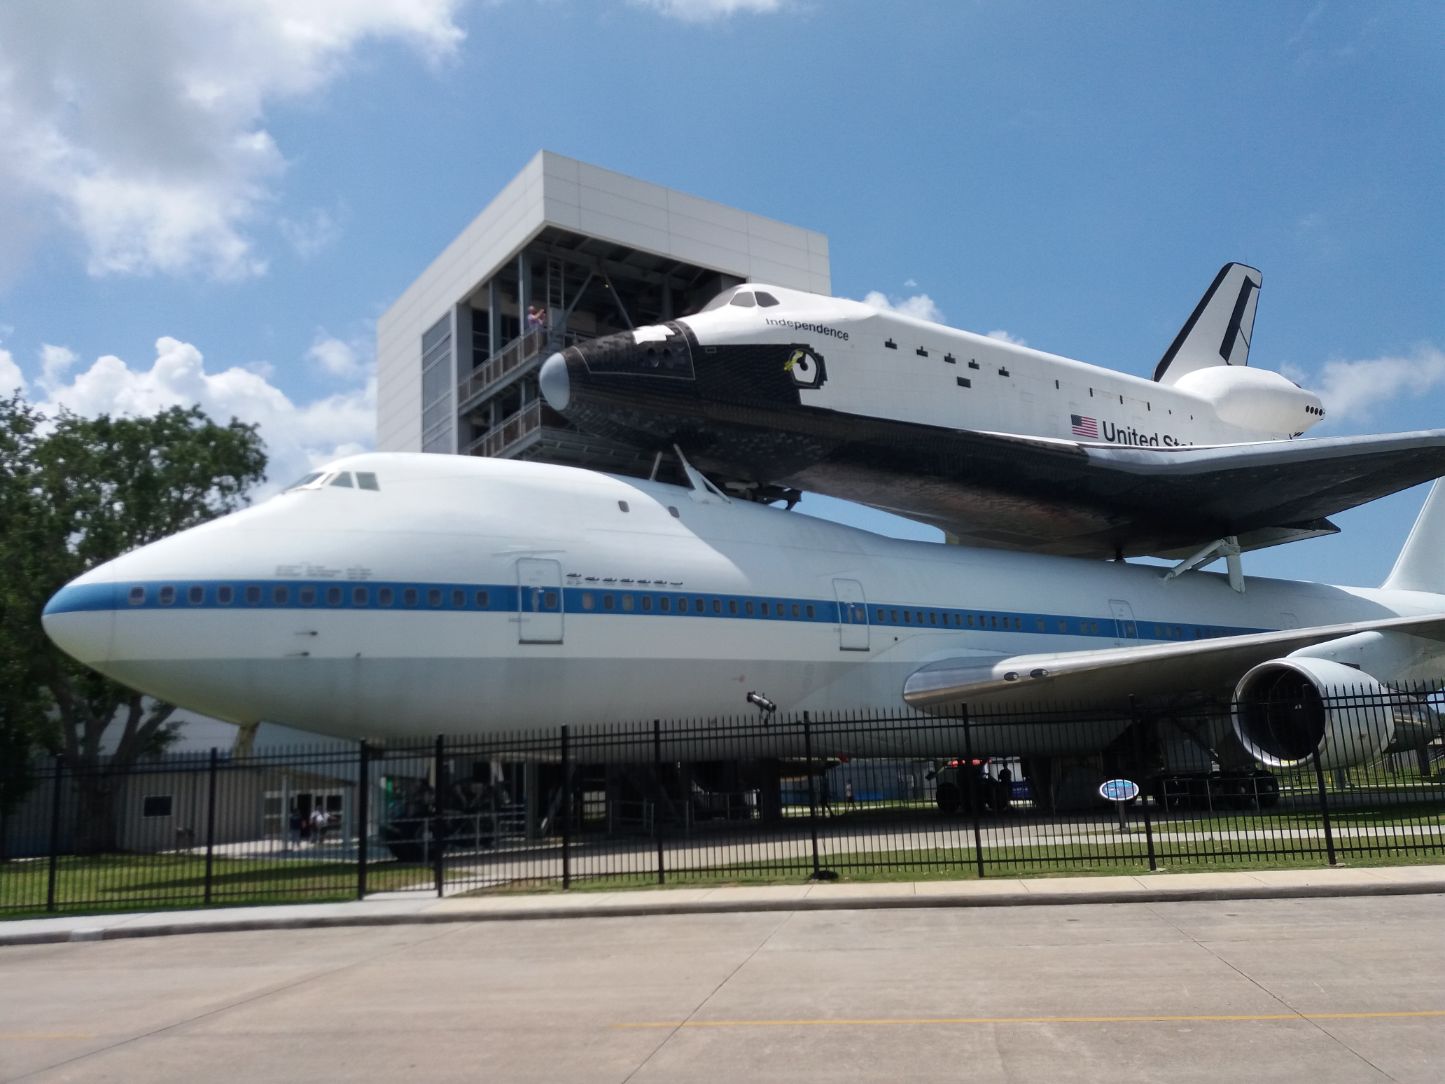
point(765, 609)
point(433, 597)
point(672, 510)
point(627, 604)
point(646, 603)
point(280, 595)
point(225, 595)
point(733, 606)
point(253, 596)
point(168, 595)
point(622, 505)
point(664, 604)
point(588, 601)
point(907, 619)
point(808, 609)
point(410, 596)
point(702, 605)
point(307, 595)
point(748, 607)
point(459, 599)
point(481, 598)
point(333, 596)
point(717, 605)
point(795, 610)
point(195, 595)
point(933, 617)
point(359, 596)
point(137, 596)
point(156, 805)
point(608, 601)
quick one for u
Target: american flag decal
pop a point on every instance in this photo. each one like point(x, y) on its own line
point(1084, 427)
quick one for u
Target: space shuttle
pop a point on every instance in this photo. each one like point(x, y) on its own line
point(771, 391)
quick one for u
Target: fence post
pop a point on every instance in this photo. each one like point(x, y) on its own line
point(967, 775)
point(438, 827)
point(566, 810)
point(1324, 808)
point(813, 785)
point(363, 814)
point(657, 775)
point(54, 870)
point(1136, 724)
point(211, 821)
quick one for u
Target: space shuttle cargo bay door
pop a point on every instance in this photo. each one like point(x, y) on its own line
point(852, 615)
point(539, 601)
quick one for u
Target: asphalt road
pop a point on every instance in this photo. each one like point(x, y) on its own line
point(1342, 989)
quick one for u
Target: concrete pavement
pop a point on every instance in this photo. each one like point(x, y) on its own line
point(397, 908)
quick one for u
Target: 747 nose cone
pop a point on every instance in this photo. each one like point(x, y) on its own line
point(554, 382)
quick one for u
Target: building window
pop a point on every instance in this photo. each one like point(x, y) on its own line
point(156, 805)
point(438, 375)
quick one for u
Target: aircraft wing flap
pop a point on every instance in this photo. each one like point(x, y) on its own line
point(1110, 675)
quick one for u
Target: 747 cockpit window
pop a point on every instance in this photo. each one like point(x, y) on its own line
point(340, 478)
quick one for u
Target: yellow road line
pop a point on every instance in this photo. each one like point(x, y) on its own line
point(925, 1021)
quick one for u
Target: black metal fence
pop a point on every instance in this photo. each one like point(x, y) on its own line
point(995, 793)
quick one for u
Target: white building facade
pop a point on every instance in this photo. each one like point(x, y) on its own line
point(566, 251)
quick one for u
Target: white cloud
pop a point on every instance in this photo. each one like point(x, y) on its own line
point(1004, 336)
point(11, 378)
point(919, 305)
point(1356, 390)
point(340, 359)
point(312, 233)
point(142, 125)
point(298, 436)
point(55, 362)
point(697, 11)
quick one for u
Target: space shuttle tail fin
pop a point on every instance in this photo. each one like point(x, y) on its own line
point(1219, 329)
point(1421, 564)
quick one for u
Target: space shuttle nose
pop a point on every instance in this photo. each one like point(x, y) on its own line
point(80, 620)
point(554, 382)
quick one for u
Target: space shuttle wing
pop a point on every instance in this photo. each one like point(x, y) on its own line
point(1107, 676)
point(1095, 500)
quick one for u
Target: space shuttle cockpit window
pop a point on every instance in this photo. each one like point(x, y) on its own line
point(719, 301)
point(767, 300)
point(743, 299)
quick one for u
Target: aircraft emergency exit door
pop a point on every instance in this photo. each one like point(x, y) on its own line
point(539, 601)
point(852, 615)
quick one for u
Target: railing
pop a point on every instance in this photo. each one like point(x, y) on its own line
point(507, 433)
point(516, 355)
point(916, 796)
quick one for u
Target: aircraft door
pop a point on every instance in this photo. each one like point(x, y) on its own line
point(539, 601)
point(1126, 629)
point(852, 615)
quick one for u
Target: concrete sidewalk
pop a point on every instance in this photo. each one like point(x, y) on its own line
point(393, 908)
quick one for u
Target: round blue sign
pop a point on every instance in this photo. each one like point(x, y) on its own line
point(1119, 790)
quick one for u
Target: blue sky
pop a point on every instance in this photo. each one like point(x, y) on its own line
point(214, 202)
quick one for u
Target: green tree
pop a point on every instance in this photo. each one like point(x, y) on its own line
point(103, 486)
point(25, 724)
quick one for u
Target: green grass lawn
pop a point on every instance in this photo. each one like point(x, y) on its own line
point(129, 882)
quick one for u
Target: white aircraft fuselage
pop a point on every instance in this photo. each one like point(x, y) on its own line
point(404, 595)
